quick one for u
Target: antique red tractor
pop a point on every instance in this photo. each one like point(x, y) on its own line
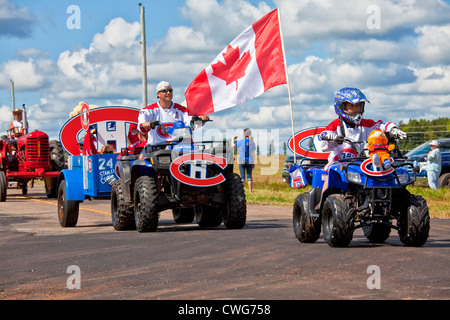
point(34, 157)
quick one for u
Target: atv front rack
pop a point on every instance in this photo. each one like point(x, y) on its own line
point(391, 176)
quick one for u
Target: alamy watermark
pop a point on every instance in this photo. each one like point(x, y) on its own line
point(74, 280)
point(74, 20)
point(373, 22)
point(374, 280)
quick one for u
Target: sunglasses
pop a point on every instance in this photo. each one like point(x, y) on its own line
point(166, 90)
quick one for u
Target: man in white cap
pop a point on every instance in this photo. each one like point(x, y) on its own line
point(434, 165)
point(165, 111)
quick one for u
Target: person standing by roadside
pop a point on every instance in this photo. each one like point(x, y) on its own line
point(434, 165)
point(246, 158)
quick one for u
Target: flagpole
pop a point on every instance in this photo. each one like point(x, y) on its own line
point(144, 57)
point(288, 84)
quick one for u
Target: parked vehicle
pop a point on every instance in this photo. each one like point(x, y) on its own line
point(418, 157)
point(360, 197)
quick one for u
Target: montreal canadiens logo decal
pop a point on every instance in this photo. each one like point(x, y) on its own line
point(161, 133)
point(306, 143)
point(374, 173)
point(113, 125)
point(198, 168)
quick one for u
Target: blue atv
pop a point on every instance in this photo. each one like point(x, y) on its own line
point(195, 180)
point(358, 196)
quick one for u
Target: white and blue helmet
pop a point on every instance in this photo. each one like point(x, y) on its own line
point(353, 96)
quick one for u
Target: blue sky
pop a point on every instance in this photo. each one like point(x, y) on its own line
point(397, 52)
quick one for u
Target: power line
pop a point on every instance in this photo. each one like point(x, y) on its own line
point(421, 132)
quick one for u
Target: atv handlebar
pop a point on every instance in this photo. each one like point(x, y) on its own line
point(353, 144)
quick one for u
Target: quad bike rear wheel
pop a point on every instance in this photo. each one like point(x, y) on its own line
point(306, 228)
point(208, 216)
point(122, 214)
point(183, 215)
point(146, 213)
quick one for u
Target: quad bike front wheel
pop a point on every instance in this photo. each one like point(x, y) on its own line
point(337, 221)
point(414, 224)
point(235, 212)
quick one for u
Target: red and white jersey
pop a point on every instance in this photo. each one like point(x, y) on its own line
point(359, 133)
point(155, 112)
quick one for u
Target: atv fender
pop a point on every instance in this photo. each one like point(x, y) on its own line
point(313, 200)
point(124, 170)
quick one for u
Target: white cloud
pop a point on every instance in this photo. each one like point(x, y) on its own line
point(117, 34)
point(106, 68)
point(5, 117)
point(222, 22)
point(27, 75)
point(435, 80)
point(434, 44)
point(14, 21)
point(310, 19)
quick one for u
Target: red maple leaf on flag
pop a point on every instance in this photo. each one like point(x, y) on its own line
point(235, 66)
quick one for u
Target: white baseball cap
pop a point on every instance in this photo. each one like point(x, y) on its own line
point(162, 85)
point(434, 143)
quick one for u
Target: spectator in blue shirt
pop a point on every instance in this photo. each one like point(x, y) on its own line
point(246, 158)
point(434, 165)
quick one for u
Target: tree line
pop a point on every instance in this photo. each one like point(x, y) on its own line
point(422, 130)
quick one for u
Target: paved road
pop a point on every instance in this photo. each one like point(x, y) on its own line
point(41, 260)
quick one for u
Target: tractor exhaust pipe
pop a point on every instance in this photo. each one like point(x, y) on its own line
point(24, 120)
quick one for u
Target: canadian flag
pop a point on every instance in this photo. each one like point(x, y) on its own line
point(250, 65)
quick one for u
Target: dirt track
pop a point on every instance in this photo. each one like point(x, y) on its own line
point(183, 262)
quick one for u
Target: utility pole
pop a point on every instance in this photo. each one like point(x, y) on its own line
point(12, 95)
point(144, 57)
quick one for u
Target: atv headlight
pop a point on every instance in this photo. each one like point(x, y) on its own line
point(403, 178)
point(354, 177)
point(164, 160)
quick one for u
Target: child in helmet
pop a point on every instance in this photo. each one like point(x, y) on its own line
point(349, 105)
